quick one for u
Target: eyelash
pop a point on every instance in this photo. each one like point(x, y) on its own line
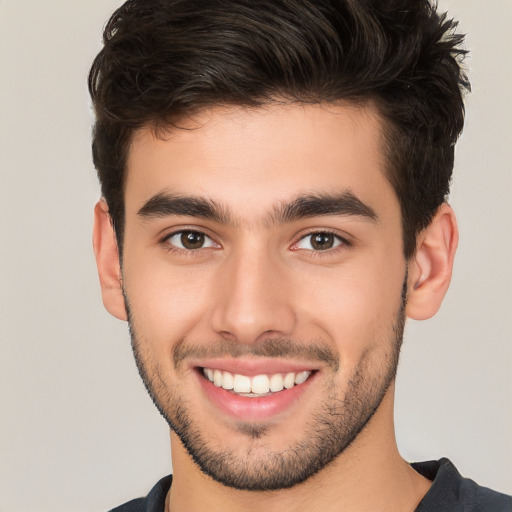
point(345, 243)
point(165, 241)
point(319, 253)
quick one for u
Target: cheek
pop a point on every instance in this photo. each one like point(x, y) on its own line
point(353, 306)
point(166, 303)
point(357, 308)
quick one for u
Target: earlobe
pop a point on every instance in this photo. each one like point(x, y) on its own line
point(107, 261)
point(430, 269)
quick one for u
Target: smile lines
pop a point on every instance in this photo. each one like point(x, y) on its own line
point(258, 385)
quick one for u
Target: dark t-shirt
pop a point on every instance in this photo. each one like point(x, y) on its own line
point(450, 492)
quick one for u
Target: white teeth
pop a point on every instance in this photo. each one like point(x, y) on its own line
point(260, 384)
point(276, 382)
point(217, 378)
point(301, 377)
point(242, 384)
point(227, 380)
point(257, 385)
point(289, 380)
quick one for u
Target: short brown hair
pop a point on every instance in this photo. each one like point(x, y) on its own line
point(164, 60)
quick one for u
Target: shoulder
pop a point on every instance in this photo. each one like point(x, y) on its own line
point(153, 502)
point(450, 492)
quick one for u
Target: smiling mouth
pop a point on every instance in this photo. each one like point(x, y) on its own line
point(257, 385)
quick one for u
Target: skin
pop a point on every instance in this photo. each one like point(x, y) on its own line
point(259, 280)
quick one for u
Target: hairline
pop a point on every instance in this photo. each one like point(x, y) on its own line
point(162, 129)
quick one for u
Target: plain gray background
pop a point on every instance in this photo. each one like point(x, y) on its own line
point(77, 432)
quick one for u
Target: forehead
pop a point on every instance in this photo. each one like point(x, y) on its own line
point(251, 159)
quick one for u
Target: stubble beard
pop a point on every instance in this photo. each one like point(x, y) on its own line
point(332, 428)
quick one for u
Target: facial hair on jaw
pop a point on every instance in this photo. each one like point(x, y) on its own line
point(333, 427)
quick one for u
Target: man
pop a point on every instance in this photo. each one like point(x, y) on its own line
point(274, 179)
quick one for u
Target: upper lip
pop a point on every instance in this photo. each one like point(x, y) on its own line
point(256, 366)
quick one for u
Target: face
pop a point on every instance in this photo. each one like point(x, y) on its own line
point(263, 276)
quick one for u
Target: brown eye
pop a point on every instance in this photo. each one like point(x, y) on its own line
point(190, 240)
point(320, 241)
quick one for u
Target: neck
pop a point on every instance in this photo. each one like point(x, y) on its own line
point(369, 475)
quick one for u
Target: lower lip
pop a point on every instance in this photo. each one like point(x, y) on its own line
point(253, 408)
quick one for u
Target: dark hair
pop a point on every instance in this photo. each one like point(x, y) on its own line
point(164, 60)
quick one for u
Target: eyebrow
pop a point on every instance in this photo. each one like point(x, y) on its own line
point(303, 206)
point(164, 205)
point(314, 205)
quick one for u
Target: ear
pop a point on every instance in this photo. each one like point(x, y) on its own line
point(430, 269)
point(107, 260)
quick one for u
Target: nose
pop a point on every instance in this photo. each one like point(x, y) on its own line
point(255, 298)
